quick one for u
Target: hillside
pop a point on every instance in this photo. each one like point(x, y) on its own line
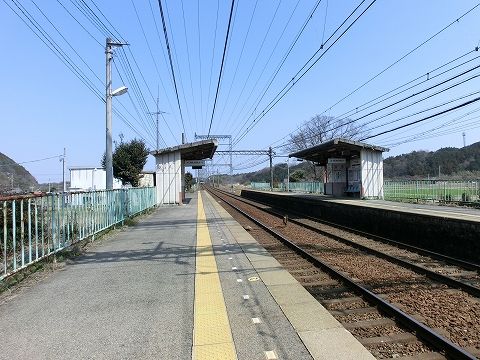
point(10, 170)
point(426, 163)
point(463, 163)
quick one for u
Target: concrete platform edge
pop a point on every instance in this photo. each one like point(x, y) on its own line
point(323, 336)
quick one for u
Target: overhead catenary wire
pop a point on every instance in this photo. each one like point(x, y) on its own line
point(171, 63)
point(175, 58)
point(383, 97)
point(221, 66)
point(340, 124)
point(457, 20)
point(298, 77)
point(264, 91)
point(262, 72)
point(422, 119)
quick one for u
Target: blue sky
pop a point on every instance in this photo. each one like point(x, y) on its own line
point(45, 107)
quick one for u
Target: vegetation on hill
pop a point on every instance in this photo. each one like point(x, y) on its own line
point(453, 162)
point(13, 174)
point(462, 164)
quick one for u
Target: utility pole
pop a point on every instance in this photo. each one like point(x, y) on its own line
point(270, 155)
point(464, 142)
point(63, 169)
point(109, 45)
point(158, 112)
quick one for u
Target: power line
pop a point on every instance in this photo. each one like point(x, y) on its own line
point(423, 119)
point(295, 79)
point(284, 59)
point(402, 58)
point(189, 65)
point(171, 63)
point(269, 58)
point(33, 161)
point(240, 57)
point(211, 63)
point(221, 66)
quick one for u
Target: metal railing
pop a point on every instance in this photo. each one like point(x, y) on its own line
point(32, 228)
point(432, 190)
point(260, 185)
point(304, 186)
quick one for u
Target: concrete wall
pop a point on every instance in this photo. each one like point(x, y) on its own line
point(169, 178)
point(457, 238)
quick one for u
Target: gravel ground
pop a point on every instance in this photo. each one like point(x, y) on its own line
point(456, 313)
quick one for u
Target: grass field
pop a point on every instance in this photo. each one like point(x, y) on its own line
point(432, 190)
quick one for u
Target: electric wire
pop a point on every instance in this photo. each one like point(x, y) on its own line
point(189, 65)
point(341, 124)
point(175, 58)
point(221, 66)
point(262, 72)
point(402, 58)
point(239, 59)
point(211, 63)
point(422, 119)
point(282, 62)
point(252, 67)
point(295, 79)
point(171, 63)
point(79, 23)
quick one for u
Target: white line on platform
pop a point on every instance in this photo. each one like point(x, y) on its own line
point(246, 297)
point(270, 355)
point(256, 320)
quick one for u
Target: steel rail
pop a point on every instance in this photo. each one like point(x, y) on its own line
point(468, 288)
point(454, 261)
point(422, 331)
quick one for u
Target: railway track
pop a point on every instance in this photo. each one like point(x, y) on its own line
point(396, 311)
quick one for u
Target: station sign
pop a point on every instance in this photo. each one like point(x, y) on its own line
point(337, 161)
point(195, 163)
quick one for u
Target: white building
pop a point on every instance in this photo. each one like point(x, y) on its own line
point(170, 168)
point(352, 168)
point(90, 178)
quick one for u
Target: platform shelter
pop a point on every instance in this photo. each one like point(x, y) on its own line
point(170, 166)
point(351, 168)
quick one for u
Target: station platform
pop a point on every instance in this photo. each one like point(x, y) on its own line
point(445, 211)
point(186, 282)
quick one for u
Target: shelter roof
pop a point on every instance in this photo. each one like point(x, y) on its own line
point(338, 147)
point(198, 150)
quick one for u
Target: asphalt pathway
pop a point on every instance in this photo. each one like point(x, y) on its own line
point(129, 297)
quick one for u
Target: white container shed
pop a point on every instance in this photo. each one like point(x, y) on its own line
point(170, 168)
point(352, 168)
point(90, 178)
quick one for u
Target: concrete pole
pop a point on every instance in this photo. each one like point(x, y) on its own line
point(231, 163)
point(158, 112)
point(270, 154)
point(108, 103)
point(63, 172)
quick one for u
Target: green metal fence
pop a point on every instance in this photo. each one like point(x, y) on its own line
point(260, 185)
point(32, 228)
point(306, 186)
point(432, 190)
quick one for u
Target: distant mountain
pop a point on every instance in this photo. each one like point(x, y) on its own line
point(10, 172)
point(426, 163)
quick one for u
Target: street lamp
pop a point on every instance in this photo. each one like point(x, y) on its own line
point(108, 102)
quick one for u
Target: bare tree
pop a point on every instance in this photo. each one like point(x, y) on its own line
point(320, 129)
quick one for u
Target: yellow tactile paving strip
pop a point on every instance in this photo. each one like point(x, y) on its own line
point(212, 337)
